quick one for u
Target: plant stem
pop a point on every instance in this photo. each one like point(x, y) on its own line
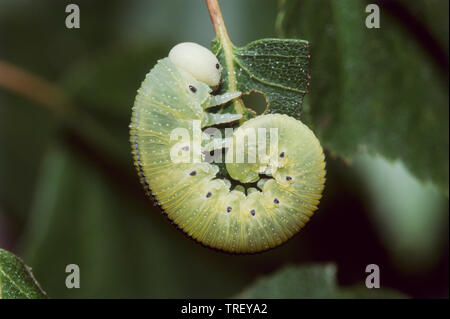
point(222, 35)
point(35, 88)
point(217, 21)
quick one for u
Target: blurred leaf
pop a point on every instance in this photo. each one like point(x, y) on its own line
point(372, 89)
point(362, 292)
point(25, 126)
point(104, 87)
point(412, 218)
point(16, 279)
point(309, 282)
point(20, 151)
point(19, 36)
point(434, 14)
point(275, 67)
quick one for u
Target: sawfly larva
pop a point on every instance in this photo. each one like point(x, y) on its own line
point(264, 202)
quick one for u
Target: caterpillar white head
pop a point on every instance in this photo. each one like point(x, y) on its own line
point(197, 60)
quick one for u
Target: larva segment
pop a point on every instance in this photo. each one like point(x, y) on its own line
point(211, 119)
point(203, 206)
point(222, 99)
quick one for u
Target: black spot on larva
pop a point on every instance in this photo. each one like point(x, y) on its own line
point(192, 88)
point(208, 195)
point(276, 201)
point(193, 173)
point(185, 148)
point(217, 66)
point(253, 212)
point(288, 178)
point(282, 154)
point(229, 209)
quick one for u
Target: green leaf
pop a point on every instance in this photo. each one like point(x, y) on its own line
point(277, 68)
point(310, 282)
point(362, 292)
point(373, 89)
point(16, 279)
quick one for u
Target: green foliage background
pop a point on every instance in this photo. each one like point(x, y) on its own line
point(69, 193)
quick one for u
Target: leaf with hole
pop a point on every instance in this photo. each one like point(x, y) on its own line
point(277, 68)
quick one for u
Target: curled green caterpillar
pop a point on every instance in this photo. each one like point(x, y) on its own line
point(272, 191)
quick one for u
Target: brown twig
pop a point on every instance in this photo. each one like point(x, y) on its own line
point(33, 87)
point(75, 125)
point(217, 20)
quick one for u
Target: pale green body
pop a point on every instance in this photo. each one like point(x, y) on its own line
point(200, 204)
